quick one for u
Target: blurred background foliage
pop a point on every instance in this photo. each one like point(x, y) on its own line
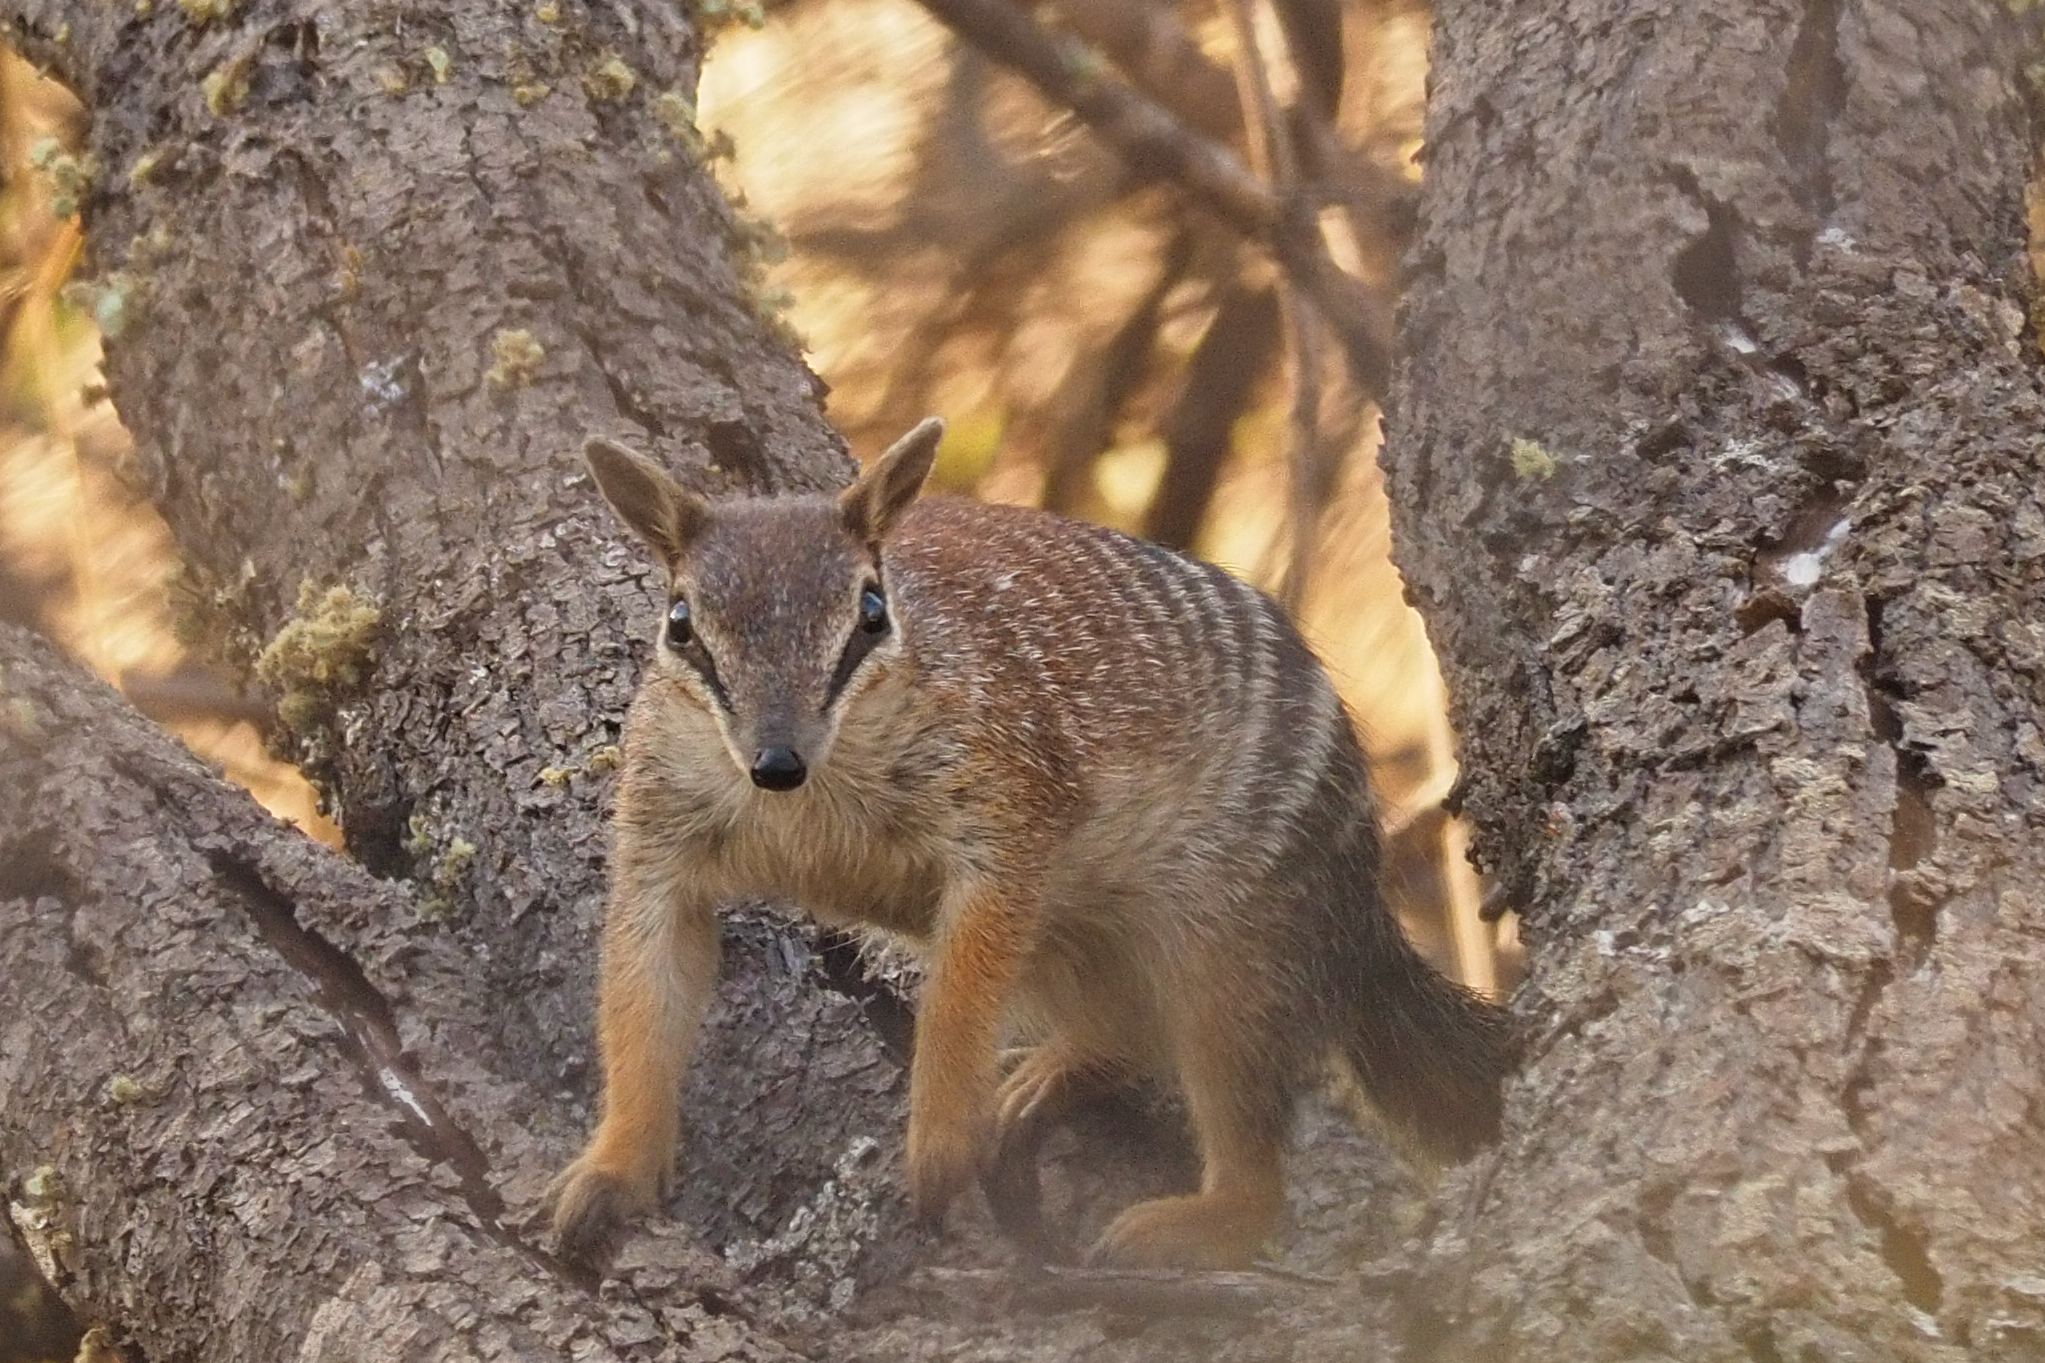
point(943, 237)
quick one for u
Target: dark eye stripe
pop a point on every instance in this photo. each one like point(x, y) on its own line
point(689, 648)
point(698, 657)
point(856, 648)
point(864, 637)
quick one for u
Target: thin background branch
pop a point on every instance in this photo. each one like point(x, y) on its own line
point(1152, 141)
point(1271, 154)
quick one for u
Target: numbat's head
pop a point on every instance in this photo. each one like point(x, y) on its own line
point(778, 611)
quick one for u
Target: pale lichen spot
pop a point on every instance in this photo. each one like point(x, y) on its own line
point(226, 86)
point(610, 80)
point(126, 1090)
point(1737, 338)
point(394, 1084)
point(1530, 460)
point(712, 15)
point(516, 358)
point(108, 300)
point(1804, 569)
point(380, 380)
point(144, 167)
point(677, 113)
point(68, 176)
point(18, 719)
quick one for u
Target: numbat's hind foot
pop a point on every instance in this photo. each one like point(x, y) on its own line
point(1206, 1230)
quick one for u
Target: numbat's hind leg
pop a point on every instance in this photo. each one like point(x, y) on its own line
point(1240, 1107)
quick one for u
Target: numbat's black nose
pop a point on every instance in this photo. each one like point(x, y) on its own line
point(778, 769)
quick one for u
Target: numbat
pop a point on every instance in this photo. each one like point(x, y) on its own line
point(1106, 791)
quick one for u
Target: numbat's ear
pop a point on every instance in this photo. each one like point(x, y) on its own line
point(872, 505)
point(663, 512)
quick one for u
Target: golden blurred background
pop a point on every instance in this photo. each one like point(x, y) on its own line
point(942, 239)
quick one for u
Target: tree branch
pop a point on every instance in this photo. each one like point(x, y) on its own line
point(1310, 457)
point(1150, 43)
point(246, 1139)
point(1152, 142)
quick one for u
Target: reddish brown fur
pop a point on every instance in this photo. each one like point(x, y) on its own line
point(1106, 792)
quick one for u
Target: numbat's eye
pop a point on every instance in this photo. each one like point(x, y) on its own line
point(678, 631)
point(873, 611)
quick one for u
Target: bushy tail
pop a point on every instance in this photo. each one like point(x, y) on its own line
point(1430, 1055)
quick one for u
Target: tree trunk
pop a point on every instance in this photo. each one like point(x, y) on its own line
point(384, 267)
point(1716, 469)
point(238, 1142)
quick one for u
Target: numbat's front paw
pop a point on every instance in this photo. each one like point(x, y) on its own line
point(943, 1159)
point(590, 1207)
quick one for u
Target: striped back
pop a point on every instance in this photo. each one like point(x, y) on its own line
point(1129, 674)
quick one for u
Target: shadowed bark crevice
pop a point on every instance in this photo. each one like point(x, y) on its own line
point(1812, 96)
point(370, 1029)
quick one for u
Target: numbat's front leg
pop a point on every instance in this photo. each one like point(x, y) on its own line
point(973, 969)
point(660, 967)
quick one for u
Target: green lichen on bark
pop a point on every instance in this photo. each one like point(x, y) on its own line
point(516, 357)
point(757, 246)
point(325, 653)
point(226, 86)
point(440, 858)
point(109, 300)
point(68, 174)
point(712, 15)
point(1531, 460)
point(611, 80)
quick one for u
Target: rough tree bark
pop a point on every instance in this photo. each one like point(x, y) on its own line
point(1747, 636)
point(1748, 651)
point(245, 1144)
